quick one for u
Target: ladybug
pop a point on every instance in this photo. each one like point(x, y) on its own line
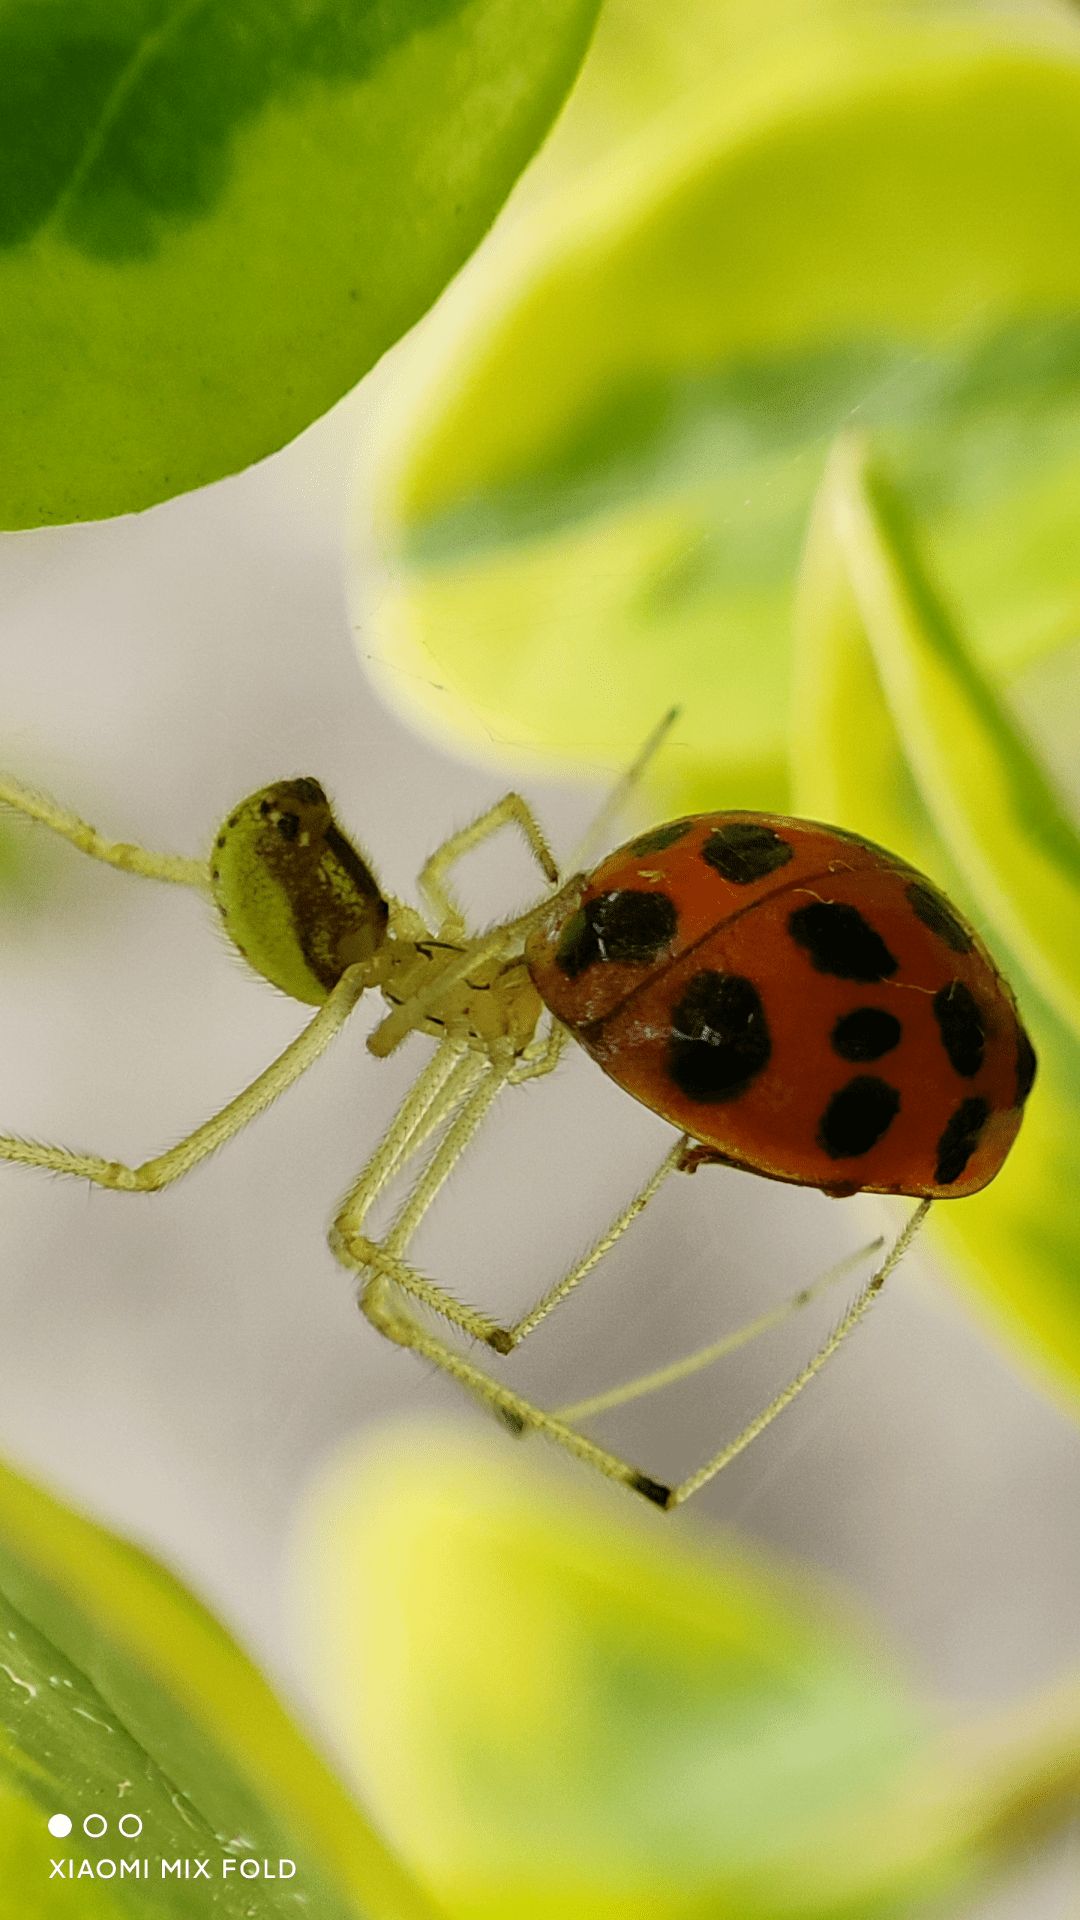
point(801, 1002)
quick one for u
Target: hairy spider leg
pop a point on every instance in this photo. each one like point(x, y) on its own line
point(857, 1311)
point(595, 838)
point(115, 853)
point(386, 1272)
point(282, 1072)
point(510, 809)
point(385, 1276)
point(167, 1167)
point(472, 1095)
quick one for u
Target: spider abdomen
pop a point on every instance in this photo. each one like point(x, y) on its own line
point(295, 896)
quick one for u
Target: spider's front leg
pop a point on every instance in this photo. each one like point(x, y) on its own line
point(511, 809)
point(465, 1090)
point(160, 1172)
point(392, 1320)
point(115, 853)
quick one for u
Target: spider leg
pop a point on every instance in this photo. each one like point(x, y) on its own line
point(116, 853)
point(595, 838)
point(445, 1080)
point(396, 1324)
point(859, 1307)
point(548, 1052)
point(511, 1337)
point(706, 1356)
point(470, 1087)
point(510, 809)
point(167, 1167)
point(357, 1251)
point(523, 1418)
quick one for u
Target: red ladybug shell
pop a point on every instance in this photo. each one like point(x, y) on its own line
point(804, 1003)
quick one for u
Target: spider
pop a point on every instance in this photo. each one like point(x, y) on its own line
point(302, 906)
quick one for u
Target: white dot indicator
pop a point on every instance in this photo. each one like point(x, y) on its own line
point(60, 1826)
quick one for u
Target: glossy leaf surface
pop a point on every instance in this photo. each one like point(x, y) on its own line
point(595, 498)
point(900, 737)
point(215, 217)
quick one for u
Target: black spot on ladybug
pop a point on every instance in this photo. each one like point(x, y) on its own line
point(742, 852)
point(720, 1037)
point(866, 1034)
point(839, 941)
point(220, 841)
point(288, 825)
point(857, 1116)
point(661, 838)
point(1026, 1065)
point(959, 1140)
point(628, 925)
point(936, 913)
point(860, 840)
point(963, 1030)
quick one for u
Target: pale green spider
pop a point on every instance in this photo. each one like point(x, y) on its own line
point(304, 909)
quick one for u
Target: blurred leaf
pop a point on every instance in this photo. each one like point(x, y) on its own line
point(25, 1893)
point(898, 736)
point(595, 495)
point(215, 217)
point(120, 1695)
point(557, 1711)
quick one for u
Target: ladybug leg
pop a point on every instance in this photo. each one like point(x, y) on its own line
point(669, 1376)
point(859, 1307)
point(511, 809)
point(116, 853)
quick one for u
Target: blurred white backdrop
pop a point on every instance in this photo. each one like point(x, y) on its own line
point(177, 1364)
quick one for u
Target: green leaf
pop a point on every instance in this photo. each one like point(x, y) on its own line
point(558, 1711)
point(120, 1696)
point(594, 498)
point(216, 216)
point(898, 736)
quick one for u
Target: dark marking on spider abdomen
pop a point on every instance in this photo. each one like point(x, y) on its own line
point(743, 852)
point(629, 926)
point(720, 1037)
point(962, 1027)
point(857, 1117)
point(959, 1140)
point(838, 941)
